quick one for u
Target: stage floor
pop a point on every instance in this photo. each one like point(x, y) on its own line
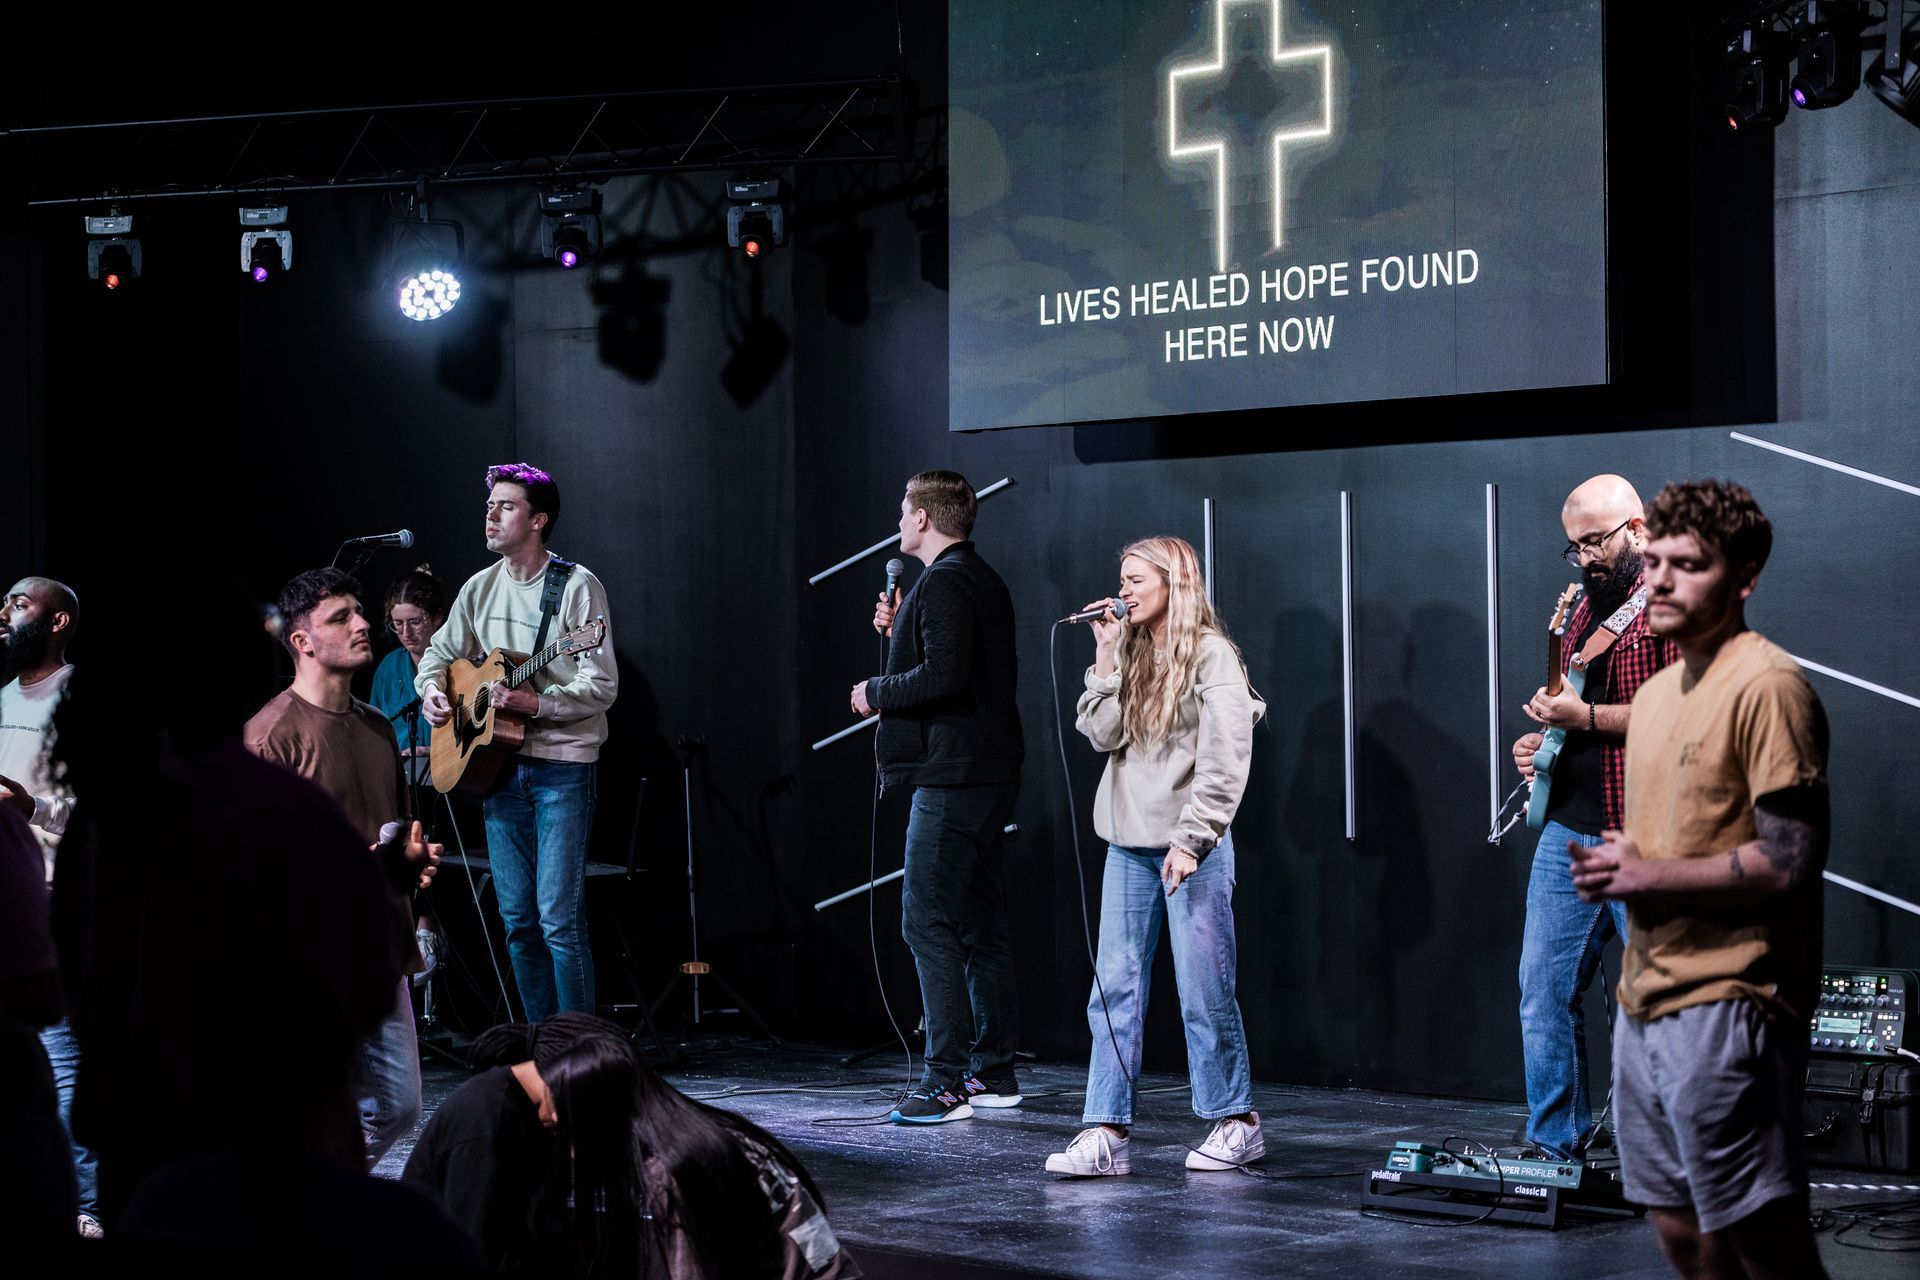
point(972, 1198)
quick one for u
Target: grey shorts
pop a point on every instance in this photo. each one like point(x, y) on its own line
point(1707, 1104)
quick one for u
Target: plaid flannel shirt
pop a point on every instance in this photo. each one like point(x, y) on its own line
point(1637, 654)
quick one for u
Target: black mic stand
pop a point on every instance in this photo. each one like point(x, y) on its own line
point(359, 561)
point(427, 1034)
point(409, 715)
point(691, 971)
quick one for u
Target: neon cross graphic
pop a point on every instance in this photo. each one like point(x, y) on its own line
point(1179, 148)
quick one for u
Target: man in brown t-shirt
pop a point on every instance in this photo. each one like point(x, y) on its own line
point(319, 730)
point(1719, 865)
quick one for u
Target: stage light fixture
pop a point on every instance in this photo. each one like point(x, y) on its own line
point(424, 258)
point(756, 220)
point(266, 246)
point(428, 295)
point(1894, 76)
point(113, 255)
point(1828, 69)
point(931, 221)
point(844, 282)
point(1757, 57)
point(569, 225)
point(633, 319)
point(757, 357)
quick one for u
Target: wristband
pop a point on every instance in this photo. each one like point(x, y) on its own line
point(1591, 728)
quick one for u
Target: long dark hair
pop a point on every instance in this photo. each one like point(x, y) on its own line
point(701, 1182)
point(596, 1153)
point(643, 1168)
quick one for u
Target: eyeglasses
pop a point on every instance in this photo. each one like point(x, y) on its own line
point(1575, 553)
point(403, 626)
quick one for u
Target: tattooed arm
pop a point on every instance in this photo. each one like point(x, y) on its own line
point(1790, 850)
point(1793, 829)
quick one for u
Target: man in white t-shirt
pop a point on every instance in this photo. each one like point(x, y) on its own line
point(36, 620)
point(37, 617)
point(540, 814)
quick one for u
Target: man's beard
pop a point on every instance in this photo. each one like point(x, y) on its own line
point(25, 648)
point(1608, 588)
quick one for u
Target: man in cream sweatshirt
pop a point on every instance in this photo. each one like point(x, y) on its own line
point(540, 815)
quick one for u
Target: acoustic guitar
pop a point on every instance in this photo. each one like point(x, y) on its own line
point(467, 754)
point(1548, 754)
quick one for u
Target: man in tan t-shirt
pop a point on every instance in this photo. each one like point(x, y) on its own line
point(1719, 865)
point(319, 730)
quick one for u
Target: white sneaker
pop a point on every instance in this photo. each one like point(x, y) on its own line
point(1095, 1153)
point(1231, 1144)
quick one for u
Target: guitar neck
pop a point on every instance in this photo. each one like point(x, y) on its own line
point(525, 671)
point(1556, 664)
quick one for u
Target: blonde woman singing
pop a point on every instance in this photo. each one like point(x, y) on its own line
point(1168, 700)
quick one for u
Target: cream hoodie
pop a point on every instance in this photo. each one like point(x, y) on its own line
point(1185, 790)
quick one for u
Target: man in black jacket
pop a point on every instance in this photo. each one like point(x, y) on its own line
point(950, 730)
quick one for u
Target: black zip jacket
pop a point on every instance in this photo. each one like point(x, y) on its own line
point(947, 713)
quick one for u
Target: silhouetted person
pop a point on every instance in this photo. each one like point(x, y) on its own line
point(37, 1204)
point(226, 937)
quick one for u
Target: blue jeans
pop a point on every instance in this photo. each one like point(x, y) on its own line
point(63, 1053)
point(1559, 953)
point(538, 821)
point(1199, 920)
point(953, 915)
point(389, 1089)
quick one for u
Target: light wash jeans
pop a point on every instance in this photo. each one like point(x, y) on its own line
point(389, 1090)
point(1199, 921)
point(63, 1055)
point(538, 821)
point(1560, 951)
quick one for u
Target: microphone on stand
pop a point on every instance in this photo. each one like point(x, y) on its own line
point(398, 538)
point(1119, 608)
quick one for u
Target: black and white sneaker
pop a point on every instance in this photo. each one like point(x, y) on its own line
point(932, 1106)
point(1001, 1091)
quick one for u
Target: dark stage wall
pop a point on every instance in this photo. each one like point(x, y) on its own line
point(259, 430)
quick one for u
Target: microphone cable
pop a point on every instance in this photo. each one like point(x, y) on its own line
point(873, 944)
point(473, 887)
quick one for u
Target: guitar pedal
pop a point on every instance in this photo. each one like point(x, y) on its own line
point(1862, 1013)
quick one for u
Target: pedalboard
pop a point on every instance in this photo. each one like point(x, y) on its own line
point(1419, 1177)
point(1862, 1013)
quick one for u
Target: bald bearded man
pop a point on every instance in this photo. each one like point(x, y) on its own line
point(1564, 937)
point(37, 618)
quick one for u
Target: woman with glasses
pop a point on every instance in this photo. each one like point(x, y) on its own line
point(416, 606)
point(1168, 700)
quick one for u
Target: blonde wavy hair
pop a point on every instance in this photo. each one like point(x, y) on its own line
point(1150, 692)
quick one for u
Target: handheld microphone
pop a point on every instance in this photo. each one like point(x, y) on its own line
point(389, 832)
point(895, 567)
point(1088, 615)
point(399, 538)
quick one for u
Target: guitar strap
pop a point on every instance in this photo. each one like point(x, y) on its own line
point(557, 571)
point(1609, 631)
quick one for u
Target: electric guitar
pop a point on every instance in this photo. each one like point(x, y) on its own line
point(1548, 753)
point(467, 753)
